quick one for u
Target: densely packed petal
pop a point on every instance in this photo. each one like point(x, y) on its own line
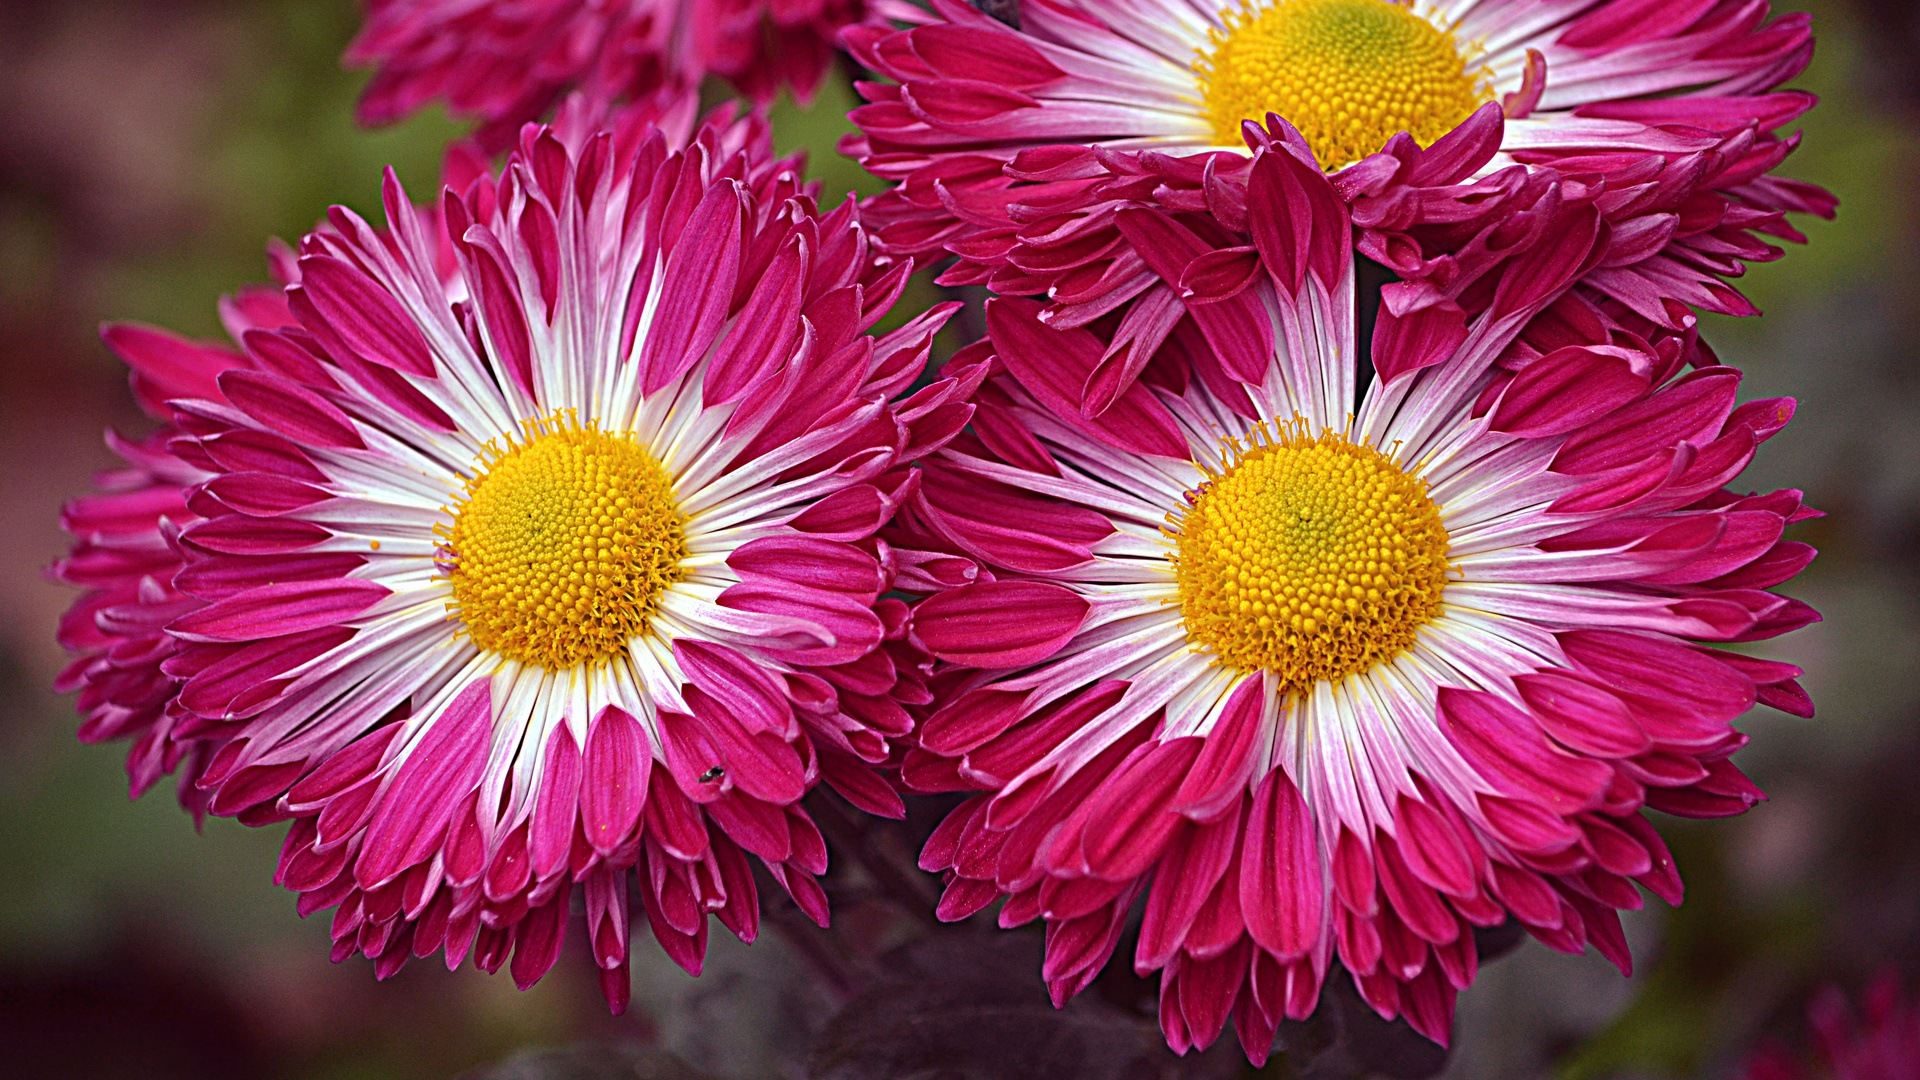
point(509, 61)
point(1013, 145)
point(1339, 676)
point(126, 551)
point(539, 557)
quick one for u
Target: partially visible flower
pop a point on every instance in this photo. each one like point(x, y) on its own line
point(557, 566)
point(1880, 1042)
point(506, 62)
point(1012, 147)
point(1319, 680)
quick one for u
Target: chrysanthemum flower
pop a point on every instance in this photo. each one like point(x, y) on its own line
point(1012, 146)
point(1879, 1042)
point(509, 61)
point(559, 567)
point(1325, 684)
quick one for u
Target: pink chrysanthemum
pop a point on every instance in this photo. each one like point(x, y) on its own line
point(1323, 684)
point(552, 568)
point(1011, 146)
point(1881, 1042)
point(509, 61)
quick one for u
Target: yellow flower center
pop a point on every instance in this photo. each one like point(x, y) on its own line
point(1349, 74)
point(1313, 558)
point(563, 544)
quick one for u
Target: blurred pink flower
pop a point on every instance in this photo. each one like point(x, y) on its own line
point(508, 61)
point(1325, 684)
point(1880, 1042)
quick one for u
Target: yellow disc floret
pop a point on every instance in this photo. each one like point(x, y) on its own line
point(1311, 557)
point(1349, 74)
point(562, 544)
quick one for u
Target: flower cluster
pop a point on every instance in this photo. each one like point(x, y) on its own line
point(557, 536)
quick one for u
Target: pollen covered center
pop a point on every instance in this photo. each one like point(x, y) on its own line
point(562, 544)
point(1349, 74)
point(1311, 557)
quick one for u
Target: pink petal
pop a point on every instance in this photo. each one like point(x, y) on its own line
point(998, 623)
point(275, 610)
point(365, 315)
point(550, 835)
point(1280, 882)
point(290, 409)
point(429, 787)
point(619, 764)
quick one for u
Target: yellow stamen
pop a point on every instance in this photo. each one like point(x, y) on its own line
point(563, 543)
point(1349, 74)
point(1312, 557)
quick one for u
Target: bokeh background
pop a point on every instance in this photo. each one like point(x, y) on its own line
point(147, 150)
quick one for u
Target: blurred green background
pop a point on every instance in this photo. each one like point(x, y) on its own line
point(149, 147)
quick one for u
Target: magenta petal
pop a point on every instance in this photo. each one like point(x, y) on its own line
point(847, 626)
point(998, 624)
point(1280, 879)
point(759, 764)
point(1570, 388)
point(1131, 817)
point(274, 610)
point(1220, 775)
point(700, 277)
point(964, 52)
point(1582, 716)
point(1506, 747)
point(506, 322)
point(811, 561)
point(428, 788)
point(538, 937)
point(365, 315)
point(971, 719)
point(264, 494)
point(853, 513)
point(554, 804)
point(1299, 223)
point(1054, 366)
point(619, 765)
point(285, 407)
point(1187, 876)
point(1416, 340)
point(764, 334)
point(742, 687)
point(168, 366)
point(210, 690)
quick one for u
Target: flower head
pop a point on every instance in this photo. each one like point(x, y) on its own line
point(1013, 146)
point(554, 565)
point(1326, 681)
point(507, 63)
